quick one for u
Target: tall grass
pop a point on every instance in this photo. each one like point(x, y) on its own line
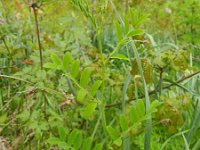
point(147, 140)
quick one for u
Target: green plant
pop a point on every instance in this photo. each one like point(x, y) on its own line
point(108, 74)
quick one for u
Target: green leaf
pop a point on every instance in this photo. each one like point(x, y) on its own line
point(24, 116)
point(153, 107)
point(120, 56)
point(50, 66)
point(112, 132)
point(132, 17)
point(126, 27)
point(78, 140)
point(118, 31)
point(62, 133)
point(140, 108)
point(55, 59)
point(88, 110)
point(136, 19)
point(67, 59)
point(72, 137)
point(58, 142)
point(95, 87)
point(98, 146)
point(75, 138)
point(135, 32)
point(133, 115)
point(87, 144)
point(123, 123)
point(81, 95)
point(75, 68)
point(53, 141)
point(16, 102)
point(140, 20)
point(63, 145)
point(85, 77)
point(118, 142)
point(3, 118)
point(54, 115)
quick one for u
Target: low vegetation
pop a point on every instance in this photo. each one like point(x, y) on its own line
point(95, 75)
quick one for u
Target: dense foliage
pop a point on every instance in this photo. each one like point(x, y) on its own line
point(94, 75)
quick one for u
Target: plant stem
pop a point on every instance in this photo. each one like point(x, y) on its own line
point(15, 78)
point(6, 45)
point(126, 6)
point(154, 91)
point(34, 6)
point(160, 82)
point(6, 67)
point(192, 30)
point(136, 88)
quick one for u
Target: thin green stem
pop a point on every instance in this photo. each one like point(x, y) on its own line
point(173, 136)
point(136, 89)
point(16, 78)
point(116, 13)
point(102, 58)
point(160, 82)
point(9, 62)
point(96, 127)
point(6, 45)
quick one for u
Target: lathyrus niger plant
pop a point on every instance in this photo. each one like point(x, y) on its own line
point(87, 75)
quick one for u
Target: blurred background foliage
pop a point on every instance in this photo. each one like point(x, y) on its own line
point(39, 108)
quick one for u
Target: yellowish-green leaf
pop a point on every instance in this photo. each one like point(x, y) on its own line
point(118, 142)
point(140, 108)
point(87, 144)
point(88, 110)
point(120, 56)
point(135, 32)
point(67, 59)
point(81, 95)
point(95, 87)
point(55, 59)
point(133, 115)
point(50, 66)
point(123, 123)
point(75, 68)
point(112, 132)
point(85, 77)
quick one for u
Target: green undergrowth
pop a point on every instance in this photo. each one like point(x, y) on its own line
point(95, 75)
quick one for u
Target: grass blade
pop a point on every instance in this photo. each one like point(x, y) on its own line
point(147, 99)
point(173, 136)
point(186, 143)
point(126, 143)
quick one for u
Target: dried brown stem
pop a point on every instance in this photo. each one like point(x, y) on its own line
point(35, 6)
